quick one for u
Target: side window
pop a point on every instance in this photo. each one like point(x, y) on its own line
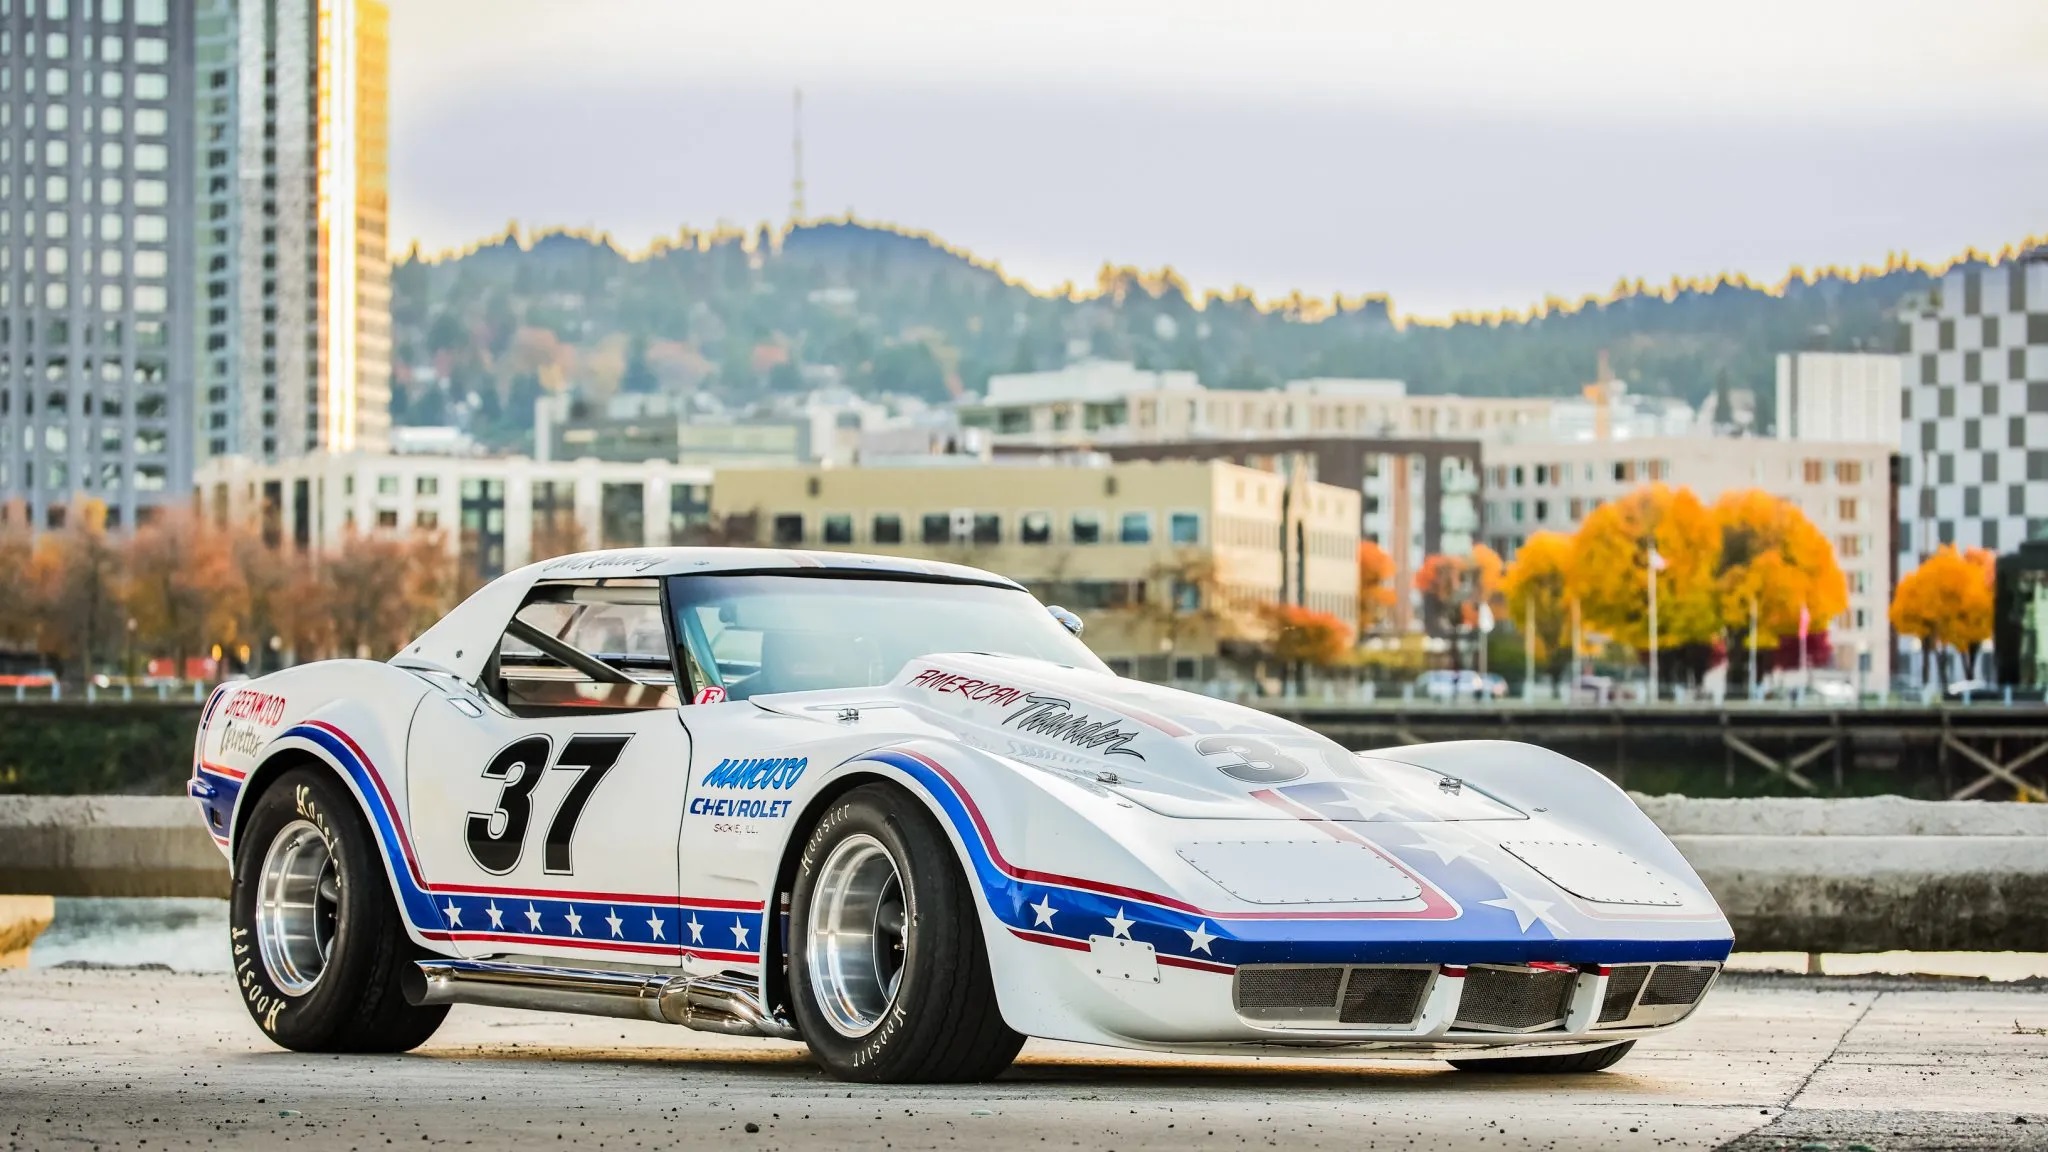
point(585, 646)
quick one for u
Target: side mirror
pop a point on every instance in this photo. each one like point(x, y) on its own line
point(1068, 620)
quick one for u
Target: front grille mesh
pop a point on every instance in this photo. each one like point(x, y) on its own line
point(1515, 1000)
point(1622, 985)
point(1389, 996)
point(1674, 984)
point(1288, 988)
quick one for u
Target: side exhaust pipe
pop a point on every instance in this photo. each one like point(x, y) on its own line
point(718, 1003)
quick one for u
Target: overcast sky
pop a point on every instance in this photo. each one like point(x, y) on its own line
point(1469, 155)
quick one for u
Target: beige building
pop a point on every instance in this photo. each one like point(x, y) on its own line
point(1844, 488)
point(1099, 402)
point(498, 512)
point(1167, 562)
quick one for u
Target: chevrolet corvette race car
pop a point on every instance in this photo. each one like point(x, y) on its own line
point(897, 810)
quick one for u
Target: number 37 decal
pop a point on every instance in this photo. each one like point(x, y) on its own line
point(498, 838)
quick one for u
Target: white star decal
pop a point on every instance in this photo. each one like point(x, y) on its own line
point(739, 933)
point(454, 914)
point(654, 924)
point(1527, 910)
point(1120, 928)
point(696, 930)
point(532, 918)
point(497, 916)
point(575, 920)
point(1444, 848)
point(1363, 805)
point(614, 921)
point(1199, 937)
point(1041, 912)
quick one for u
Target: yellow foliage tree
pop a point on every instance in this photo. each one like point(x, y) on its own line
point(1375, 585)
point(1772, 557)
point(1947, 600)
point(1538, 584)
point(1610, 568)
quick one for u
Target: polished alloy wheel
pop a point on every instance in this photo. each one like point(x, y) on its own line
point(854, 948)
point(298, 901)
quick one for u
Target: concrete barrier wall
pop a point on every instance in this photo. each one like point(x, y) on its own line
point(107, 846)
point(1864, 875)
point(1871, 874)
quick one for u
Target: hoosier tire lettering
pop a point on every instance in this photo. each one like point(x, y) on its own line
point(353, 1001)
point(940, 1022)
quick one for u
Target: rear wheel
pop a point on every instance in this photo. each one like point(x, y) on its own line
point(1555, 1065)
point(889, 974)
point(318, 948)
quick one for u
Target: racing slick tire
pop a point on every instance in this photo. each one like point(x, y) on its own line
point(888, 972)
point(318, 948)
point(1556, 1065)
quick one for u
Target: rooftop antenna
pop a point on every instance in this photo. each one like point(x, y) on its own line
point(796, 150)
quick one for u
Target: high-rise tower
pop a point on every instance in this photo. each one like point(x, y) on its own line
point(96, 163)
point(294, 281)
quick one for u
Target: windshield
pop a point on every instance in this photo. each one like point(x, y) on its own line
point(773, 633)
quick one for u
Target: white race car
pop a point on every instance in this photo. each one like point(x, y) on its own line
point(897, 810)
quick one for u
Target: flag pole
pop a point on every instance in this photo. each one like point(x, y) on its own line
point(1652, 566)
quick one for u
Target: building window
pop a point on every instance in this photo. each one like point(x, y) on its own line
point(1185, 528)
point(689, 508)
point(427, 518)
point(387, 517)
point(936, 528)
point(788, 528)
point(988, 528)
point(1134, 528)
point(1086, 528)
point(387, 485)
point(838, 528)
point(622, 515)
point(1034, 528)
point(888, 528)
point(1845, 509)
point(427, 486)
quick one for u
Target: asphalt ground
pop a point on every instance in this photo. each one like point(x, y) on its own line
point(152, 1060)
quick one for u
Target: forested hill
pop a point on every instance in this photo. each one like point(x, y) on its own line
point(744, 315)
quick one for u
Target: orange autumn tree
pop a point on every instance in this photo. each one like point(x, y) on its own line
point(1610, 568)
point(1947, 600)
point(1375, 585)
point(185, 592)
point(1537, 585)
point(1453, 588)
point(1775, 560)
point(1298, 635)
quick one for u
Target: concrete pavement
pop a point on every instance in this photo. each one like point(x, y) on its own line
point(112, 1059)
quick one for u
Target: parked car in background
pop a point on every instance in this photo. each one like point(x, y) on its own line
point(1446, 685)
point(1832, 692)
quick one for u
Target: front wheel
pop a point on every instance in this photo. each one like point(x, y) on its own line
point(888, 972)
point(318, 949)
point(1565, 1064)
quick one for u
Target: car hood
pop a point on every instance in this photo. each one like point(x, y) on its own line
point(1177, 753)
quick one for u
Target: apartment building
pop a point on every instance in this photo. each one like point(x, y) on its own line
point(1844, 488)
point(1164, 561)
point(498, 513)
point(293, 295)
point(1838, 397)
point(1976, 411)
point(1102, 403)
point(1416, 497)
point(96, 258)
